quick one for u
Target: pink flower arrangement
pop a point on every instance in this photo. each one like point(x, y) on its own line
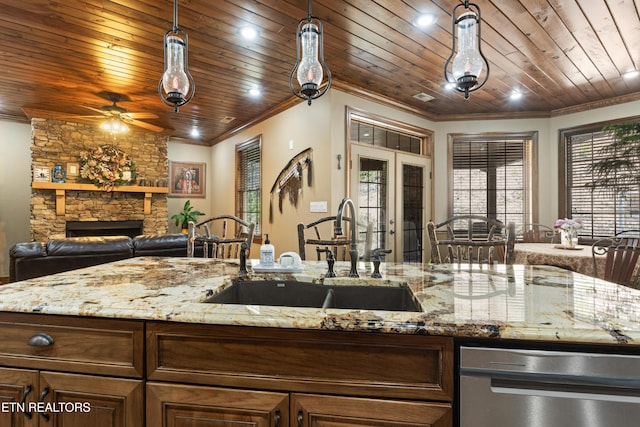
point(567, 224)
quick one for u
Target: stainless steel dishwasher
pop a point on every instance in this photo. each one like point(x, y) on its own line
point(533, 388)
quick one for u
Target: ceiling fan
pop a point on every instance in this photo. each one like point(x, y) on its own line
point(120, 114)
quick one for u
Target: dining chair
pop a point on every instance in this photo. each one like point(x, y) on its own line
point(537, 233)
point(621, 254)
point(320, 234)
point(472, 238)
point(223, 235)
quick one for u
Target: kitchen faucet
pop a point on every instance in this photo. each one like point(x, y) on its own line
point(353, 250)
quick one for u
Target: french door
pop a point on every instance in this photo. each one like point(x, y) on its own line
point(393, 190)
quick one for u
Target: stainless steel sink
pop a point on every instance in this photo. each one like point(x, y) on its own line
point(291, 293)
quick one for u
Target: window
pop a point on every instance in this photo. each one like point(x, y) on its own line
point(248, 201)
point(491, 175)
point(602, 211)
point(370, 129)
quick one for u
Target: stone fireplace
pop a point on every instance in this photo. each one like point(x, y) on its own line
point(57, 142)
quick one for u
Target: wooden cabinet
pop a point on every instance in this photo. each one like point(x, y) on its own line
point(68, 371)
point(182, 405)
point(33, 346)
point(17, 388)
point(325, 379)
point(339, 411)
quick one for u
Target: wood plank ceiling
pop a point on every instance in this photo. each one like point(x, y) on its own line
point(64, 56)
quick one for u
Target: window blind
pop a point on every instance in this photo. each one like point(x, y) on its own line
point(603, 212)
point(248, 201)
point(489, 178)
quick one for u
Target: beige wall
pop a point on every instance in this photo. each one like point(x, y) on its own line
point(15, 188)
point(322, 127)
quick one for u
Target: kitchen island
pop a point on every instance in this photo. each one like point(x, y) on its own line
point(140, 327)
point(514, 302)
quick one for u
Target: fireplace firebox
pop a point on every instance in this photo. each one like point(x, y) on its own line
point(130, 228)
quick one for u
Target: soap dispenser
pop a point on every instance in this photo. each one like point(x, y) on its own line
point(267, 253)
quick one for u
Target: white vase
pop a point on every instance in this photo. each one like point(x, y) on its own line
point(569, 238)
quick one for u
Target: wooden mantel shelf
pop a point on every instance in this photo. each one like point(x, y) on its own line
point(61, 188)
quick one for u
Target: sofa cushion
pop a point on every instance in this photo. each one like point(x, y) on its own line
point(160, 245)
point(91, 246)
point(28, 250)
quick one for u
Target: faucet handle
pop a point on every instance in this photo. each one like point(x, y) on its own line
point(376, 256)
point(330, 261)
point(243, 259)
point(379, 253)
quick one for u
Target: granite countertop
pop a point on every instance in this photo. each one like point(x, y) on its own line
point(512, 302)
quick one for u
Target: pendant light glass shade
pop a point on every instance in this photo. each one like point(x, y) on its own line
point(176, 87)
point(469, 60)
point(310, 68)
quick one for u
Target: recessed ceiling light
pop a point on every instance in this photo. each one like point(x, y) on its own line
point(254, 91)
point(423, 97)
point(249, 33)
point(516, 94)
point(425, 20)
point(195, 133)
point(631, 74)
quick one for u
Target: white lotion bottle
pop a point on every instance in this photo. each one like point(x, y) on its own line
point(267, 253)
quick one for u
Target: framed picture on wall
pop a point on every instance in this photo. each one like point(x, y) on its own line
point(187, 179)
point(41, 174)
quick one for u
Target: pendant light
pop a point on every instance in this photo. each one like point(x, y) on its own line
point(176, 87)
point(310, 66)
point(469, 60)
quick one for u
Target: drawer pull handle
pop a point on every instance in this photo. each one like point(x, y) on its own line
point(300, 418)
point(42, 396)
point(277, 418)
point(26, 392)
point(40, 340)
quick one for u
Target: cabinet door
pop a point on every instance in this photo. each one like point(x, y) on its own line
point(17, 389)
point(332, 411)
point(178, 405)
point(83, 400)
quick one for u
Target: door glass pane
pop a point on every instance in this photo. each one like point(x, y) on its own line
point(372, 197)
point(413, 213)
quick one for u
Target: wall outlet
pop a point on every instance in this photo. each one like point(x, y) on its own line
point(318, 207)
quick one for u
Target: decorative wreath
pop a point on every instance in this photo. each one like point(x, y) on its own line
point(106, 166)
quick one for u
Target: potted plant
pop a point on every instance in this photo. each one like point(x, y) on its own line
point(188, 214)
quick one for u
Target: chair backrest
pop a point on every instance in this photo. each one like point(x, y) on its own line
point(224, 234)
point(537, 233)
point(472, 238)
point(320, 234)
point(621, 259)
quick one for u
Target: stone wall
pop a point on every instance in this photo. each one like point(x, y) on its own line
point(60, 142)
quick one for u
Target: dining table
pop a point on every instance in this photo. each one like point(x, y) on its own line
point(578, 258)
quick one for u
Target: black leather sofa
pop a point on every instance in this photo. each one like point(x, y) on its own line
point(35, 259)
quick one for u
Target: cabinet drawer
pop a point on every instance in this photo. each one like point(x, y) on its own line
point(83, 345)
point(348, 363)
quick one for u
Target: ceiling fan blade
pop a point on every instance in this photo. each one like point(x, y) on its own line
point(141, 115)
point(97, 110)
point(147, 126)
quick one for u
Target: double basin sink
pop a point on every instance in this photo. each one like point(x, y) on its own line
point(291, 293)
